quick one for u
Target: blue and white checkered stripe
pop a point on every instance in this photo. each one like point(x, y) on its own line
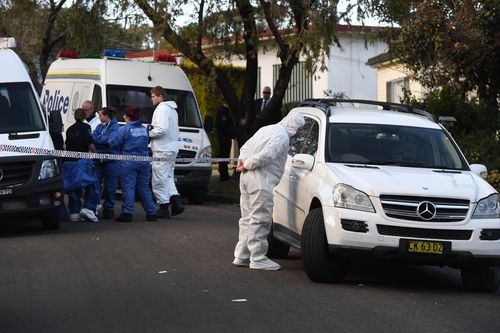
point(96, 156)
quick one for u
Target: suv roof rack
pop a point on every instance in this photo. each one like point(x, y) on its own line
point(325, 103)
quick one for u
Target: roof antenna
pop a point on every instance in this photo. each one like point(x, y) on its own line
point(149, 74)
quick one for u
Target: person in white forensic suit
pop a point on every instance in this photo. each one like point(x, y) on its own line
point(261, 163)
point(164, 132)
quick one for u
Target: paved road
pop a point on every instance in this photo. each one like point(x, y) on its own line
point(176, 276)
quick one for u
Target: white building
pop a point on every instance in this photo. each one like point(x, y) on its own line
point(393, 79)
point(347, 70)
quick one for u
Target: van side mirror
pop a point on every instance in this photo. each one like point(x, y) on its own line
point(208, 124)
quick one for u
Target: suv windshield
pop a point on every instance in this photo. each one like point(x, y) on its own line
point(392, 145)
point(19, 110)
point(119, 97)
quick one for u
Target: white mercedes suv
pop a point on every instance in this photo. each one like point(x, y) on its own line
point(369, 180)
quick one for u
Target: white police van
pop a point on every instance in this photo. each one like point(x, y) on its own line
point(30, 185)
point(115, 81)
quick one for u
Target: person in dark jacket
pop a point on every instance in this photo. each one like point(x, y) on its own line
point(79, 174)
point(107, 170)
point(226, 131)
point(55, 129)
point(133, 139)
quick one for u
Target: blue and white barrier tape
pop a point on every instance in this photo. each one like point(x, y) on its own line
point(97, 156)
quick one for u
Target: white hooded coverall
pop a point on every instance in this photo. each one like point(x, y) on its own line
point(164, 135)
point(264, 156)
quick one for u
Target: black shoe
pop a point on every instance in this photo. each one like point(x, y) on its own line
point(124, 218)
point(163, 212)
point(151, 218)
point(177, 206)
point(107, 214)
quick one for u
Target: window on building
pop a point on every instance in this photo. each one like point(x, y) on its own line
point(300, 85)
point(395, 89)
point(257, 90)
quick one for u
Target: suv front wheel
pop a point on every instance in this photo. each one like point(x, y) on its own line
point(320, 264)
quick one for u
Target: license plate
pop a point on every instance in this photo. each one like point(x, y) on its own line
point(6, 191)
point(417, 246)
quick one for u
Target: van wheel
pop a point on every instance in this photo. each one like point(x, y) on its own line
point(51, 222)
point(277, 249)
point(320, 264)
point(481, 278)
point(197, 199)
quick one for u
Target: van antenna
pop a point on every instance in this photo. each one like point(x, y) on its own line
point(149, 74)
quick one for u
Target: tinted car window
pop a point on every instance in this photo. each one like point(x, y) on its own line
point(306, 139)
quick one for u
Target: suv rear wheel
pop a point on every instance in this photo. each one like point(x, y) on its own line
point(481, 278)
point(320, 264)
point(276, 249)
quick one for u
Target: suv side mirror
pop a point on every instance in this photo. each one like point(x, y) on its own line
point(303, 161)
point(480, 170)
point(208, 124)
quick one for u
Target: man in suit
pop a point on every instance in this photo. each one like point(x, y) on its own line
point(261, 103)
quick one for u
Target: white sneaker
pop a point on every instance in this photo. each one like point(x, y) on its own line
point(266, 265)
point(241, 262)
point(88, 215)
point(75, 218)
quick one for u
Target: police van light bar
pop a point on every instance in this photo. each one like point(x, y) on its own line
point(7, 42)
point(67, 54)
point(166, 57)
point(114, 53)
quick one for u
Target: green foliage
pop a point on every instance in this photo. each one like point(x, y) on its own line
point(85, 27)
point(452, 43)
point(471, 116)
point(287, 107)
point(209, 96)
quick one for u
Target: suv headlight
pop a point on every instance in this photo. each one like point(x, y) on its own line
point(48, 169)
point(345, 196)
point(206, 154)
point(488, 208)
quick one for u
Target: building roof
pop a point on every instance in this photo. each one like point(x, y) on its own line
point(379, 59)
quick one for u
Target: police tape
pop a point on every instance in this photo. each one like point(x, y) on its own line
point(101, 156)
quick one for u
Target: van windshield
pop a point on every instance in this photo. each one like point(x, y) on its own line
point(119, 97)
point(19, 110)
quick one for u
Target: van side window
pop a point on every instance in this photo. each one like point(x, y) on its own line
point(97, 97)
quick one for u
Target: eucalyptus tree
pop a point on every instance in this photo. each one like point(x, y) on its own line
point(235, 28)
point(43, 27)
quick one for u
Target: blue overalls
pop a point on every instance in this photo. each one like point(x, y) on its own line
point(107, 170)
point(132, 139)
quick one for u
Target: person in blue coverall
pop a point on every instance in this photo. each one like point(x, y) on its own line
point(79, 174)
point(106, 170)
point(132, 139)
